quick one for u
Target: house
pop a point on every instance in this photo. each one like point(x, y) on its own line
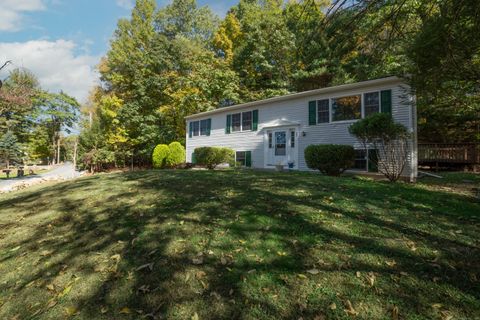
point(277, 130)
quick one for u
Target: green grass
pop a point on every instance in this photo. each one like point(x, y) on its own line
point(239, 245)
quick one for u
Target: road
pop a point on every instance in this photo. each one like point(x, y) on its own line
point(63, 171)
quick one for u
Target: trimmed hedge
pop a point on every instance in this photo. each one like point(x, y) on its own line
point(160, 155)
point(330, 159)
point(213, 156)
point(176, 155)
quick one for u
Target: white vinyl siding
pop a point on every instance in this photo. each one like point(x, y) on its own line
point(296, 110)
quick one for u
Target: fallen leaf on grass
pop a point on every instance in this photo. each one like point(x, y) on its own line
point(411, 245)
point(197, 261)
point(195, 316)
point(313, 271)
point(36, 313)
point(371, 278)
point(333, 306)
point(223, 261)
point(116, 257)
point(71, 311)
point(51, 287)
point(391, 263)
point(200, 274)
point(45, 253)
point(52, 303)
point(145, 266)
point(395, 313)
point(125, 310)
point(104, 310)
point(349, 309)
point(65, 291)
point(446, 315)
point(301, 276)
point(216, 295)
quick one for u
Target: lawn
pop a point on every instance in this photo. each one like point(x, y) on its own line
point(240, 245)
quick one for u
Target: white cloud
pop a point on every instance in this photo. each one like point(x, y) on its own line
point(12, 12)
point(125, 4)
point(55, 63)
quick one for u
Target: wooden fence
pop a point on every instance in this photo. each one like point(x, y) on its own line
point(449, 153)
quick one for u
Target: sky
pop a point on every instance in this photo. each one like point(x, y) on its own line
point(62, 41)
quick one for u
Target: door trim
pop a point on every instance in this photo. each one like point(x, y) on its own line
point(287, 129)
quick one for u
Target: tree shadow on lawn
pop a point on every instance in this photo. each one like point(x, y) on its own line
point(237, 246)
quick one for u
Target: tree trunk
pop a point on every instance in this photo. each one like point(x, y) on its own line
point(58, 150)
point(54, 144)
point(75, 146)
point(132, 160)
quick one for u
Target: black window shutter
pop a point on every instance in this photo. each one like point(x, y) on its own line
point(255, 120)
point(209, 126)
point(194, 159)
point(229, 124)
point(190, 131)
point(386, 101)
point(312, 113)
point(248, 159)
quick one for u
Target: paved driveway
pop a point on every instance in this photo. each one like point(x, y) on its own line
point(63, 171)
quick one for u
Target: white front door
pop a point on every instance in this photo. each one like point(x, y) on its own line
point(281, 146)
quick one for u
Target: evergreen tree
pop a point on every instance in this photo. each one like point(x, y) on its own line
point(9, 148)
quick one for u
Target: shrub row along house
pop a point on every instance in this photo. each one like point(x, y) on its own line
point(276, 131)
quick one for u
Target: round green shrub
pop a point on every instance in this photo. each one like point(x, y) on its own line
point(330, 159)
point(176, 155)
point(213, 156)
point(160, 155)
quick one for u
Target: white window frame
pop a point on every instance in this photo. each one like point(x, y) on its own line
point(241, 121)
point(199, 129)
point(329, 110)
point(245, 159)
point(345, 96)
point(362, 102)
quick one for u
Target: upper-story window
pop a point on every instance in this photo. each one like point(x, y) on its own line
point(200, 128)
point(323, 110)
point(246, 121)
point(236, 122)
point(371, 103)
point(242, 121)
point(204, 127)
point(196, 128)
point(347, 108)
